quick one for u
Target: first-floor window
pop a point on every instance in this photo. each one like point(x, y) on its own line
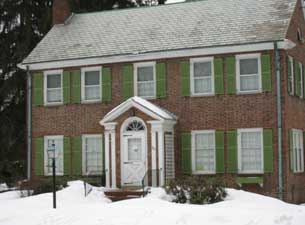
point(298, 153)
point(57, 143)
point(53, 84)
point(145, 80)
point(203, 152)
point(92, 155)
point(250, 150)
point(202, 73)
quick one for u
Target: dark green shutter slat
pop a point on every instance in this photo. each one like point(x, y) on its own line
point(128, 81)
point(268, 151)
point(39, 156)
point(289, 75)
point(297, 87)
point(185, 78)
point(232, 151)
point(220, 159)
point(106, 84)
point(291, 155)
point(161, 80)
point(38, 89)
point(77, 156)
point(266, 72)
point(186, 153)
point(218, 72)
point(67, 156)
point(66, 87)
point(231, 75)
point(76, 86)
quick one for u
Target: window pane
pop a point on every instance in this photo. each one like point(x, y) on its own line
point(203, 85)
point(202, 69)
point(204, 152)
point(54, 81)
point(92, 93)
point(93, 152)
point(54, 95)
point(134, 149)
point(146, 89)
point(145, 73)
point(248, 66)
point(249, 83)
point(92, 78)
point(59, 152)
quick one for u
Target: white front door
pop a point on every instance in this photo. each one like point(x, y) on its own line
point(134, 158)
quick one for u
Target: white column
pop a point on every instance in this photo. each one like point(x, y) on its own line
point(113, 162)
point(153, 157)
point(161, 156)
point(107, 159)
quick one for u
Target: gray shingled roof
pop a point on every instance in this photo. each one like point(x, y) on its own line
point(178, 26)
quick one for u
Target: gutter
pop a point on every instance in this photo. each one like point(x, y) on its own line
point(29, 122)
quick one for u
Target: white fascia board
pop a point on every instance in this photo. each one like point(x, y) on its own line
point(286, 44)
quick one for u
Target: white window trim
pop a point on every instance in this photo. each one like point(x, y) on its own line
point(239, 131)
point(59, 137)
point(301, 80)
point(302, 156)
point(292, 74)
point(83, 71)
point(248, 56)
point(135, 73)
point(198, 60)
point(84, 136)
point(193, 133)
point(45, 80)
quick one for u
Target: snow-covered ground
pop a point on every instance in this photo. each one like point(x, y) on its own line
point(240, 208)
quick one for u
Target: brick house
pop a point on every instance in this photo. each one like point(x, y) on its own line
point(210, 88)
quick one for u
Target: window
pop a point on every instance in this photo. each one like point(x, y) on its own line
point(203, 152)
point(202, 76)
point(145, 77)
point(300, 35)
point(92, 155)
point(301, 80)
point(298, 154)
point(58, 142)
point(291, 78)
point(250, 150)
point(91, 84)
point(248, 69)
point(53, 87)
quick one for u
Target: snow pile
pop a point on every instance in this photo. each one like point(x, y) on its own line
point(3, 187)
point(239, 208)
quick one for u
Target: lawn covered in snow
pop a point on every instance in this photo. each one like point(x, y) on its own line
point(240, 208)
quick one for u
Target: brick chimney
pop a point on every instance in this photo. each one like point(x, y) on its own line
point(61, 11)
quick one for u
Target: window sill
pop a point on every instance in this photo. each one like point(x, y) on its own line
point(251, 172)
point(248, 92)
point(148, 98)
point(91, 101)
point(203, 172)
point(203, 95)
point(298, 172)
point(53, 104)
point(58, 175)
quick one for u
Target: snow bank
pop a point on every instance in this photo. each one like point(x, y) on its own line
point(239, 208)
point(3, 187)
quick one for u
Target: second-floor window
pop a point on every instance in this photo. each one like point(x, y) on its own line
point(248, 68)
point(53, 84)
point(91, 84)
point(145, 80)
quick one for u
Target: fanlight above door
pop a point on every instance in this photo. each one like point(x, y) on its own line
point(135, 125)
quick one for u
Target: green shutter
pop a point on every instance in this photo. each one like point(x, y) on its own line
point(128, 81)
point(291, 151)
point(38, 89)
point(232, 151)
point(76, 86)
point(218, 71)
point(268, 151)
point(289, 75)
point(106, 84)
point(77, 156)
point(161, 80)
point(297, 77)
point(103, 154)
point(220, 158)
point(185, 78)
point(231, 75)
point(266, 72)
point(186, 153)
point(67, 156)
point(66, 87)
point(39, 156)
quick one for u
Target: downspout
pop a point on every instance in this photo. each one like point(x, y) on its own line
point(29, 122)
point(279, 119)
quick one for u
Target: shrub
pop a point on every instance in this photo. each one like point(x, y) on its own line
point(197, 190)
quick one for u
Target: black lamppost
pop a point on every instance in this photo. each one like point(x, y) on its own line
point(52, 155)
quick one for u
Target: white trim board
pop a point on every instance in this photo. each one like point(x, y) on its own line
point(285, 44)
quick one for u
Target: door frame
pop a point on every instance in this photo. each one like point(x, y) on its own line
point(122, 142)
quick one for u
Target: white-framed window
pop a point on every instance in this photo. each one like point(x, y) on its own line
point(248, 73)
point(298, 151)
point(291, 81)
point(91, 84)
point(202, 76)
point(301, 80)
point(92, 154)
point(145, 79)
point(59, 148)
point(53, 87)
point(203, 152)
point(250, 150)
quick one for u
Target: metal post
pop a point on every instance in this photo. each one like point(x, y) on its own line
point(54, 183)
